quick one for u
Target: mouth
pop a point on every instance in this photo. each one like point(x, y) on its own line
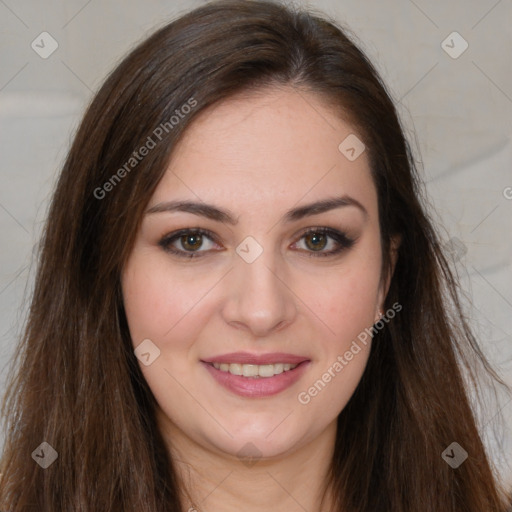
point(256, 376)
point(254, 370)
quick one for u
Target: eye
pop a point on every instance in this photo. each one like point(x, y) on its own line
point(190, 240)
point(317, 239)
point(187, 243)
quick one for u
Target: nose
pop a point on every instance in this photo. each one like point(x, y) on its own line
point(258, 296)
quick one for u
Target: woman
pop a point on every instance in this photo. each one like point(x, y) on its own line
point(240, 300)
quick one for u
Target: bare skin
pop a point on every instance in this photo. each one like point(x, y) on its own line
point(258, 156)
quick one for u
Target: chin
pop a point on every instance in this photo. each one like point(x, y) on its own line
point(264, 439)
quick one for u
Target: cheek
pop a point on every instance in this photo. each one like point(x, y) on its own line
point(345, 302)
point(346, 305)
point(343, 353)
point(159, 302)
point(353, 306)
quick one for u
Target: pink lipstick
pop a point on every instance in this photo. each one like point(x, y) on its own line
point(256, 375)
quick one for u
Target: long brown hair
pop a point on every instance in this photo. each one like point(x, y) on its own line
point(77, 385)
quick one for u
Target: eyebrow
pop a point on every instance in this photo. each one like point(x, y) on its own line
point(226, 217)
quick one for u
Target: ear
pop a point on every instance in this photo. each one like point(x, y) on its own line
point(384, 288)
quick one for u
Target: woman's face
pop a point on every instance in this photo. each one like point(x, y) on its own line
point(254, 293)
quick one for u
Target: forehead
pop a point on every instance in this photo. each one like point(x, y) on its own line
point(266, 149)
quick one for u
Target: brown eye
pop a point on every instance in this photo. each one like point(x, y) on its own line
point(191, 242)
point(316, 241)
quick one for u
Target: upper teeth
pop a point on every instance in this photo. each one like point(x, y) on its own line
point(254, 370)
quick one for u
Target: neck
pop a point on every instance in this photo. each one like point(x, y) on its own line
point(217, 482)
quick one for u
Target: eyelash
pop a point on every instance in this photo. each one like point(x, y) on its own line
point(342, 239)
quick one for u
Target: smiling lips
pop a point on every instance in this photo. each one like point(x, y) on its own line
point(254, 370)
point(256, 375)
